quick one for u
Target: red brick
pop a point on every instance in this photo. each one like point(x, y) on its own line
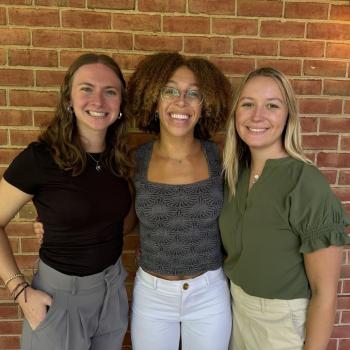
point(16, 2)
point(2, 97)
point(162, 6)
point(2, 16)
point(33, 57)
point(328, 31)
point(346, 287)
point(56, 38)
point(9, 342)
point(8, 311)
point(331, 176)
point(86, 19)
point(111, 4)
point(157, 43)
point(33, 98)
point(337, 87)
point(233, 26)
point(325, 142)
point(332, 345)
point(108, 40)
point(128, 61)
point(344, 177)
point(61, 3)
point(307, 86)
point(344, 344)
point(325, 68)
point(3, 56)
point(335, 125)
point(259, 8)
point(212, 7)
point(149, 23)
point(343, 193)
point(13, 117)
point(320, 106)
point(14, 36)
point(30, 245)
point(345, 143)
point(333, 160)
point(289, 67)
point(186, 24)
point(67, 57)
point(307, 10)
point(34, 17)
point(16, 77)
point(49, 78)
point(3, 137)
point(282, 29)
point(298, 48)
point(23, 137)
point(7, 155)
point(20, 229)
point(202, 45)
point(234, 65)
point(308, 124)
point(10, 327)
point(337, 50)
point(340, 12)
point(347, 107)
point(341, 331)
point(255, 47)
point(26, 261)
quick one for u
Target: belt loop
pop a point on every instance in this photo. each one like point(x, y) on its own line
point(74, 285)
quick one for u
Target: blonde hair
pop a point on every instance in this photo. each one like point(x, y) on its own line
point(236, 152)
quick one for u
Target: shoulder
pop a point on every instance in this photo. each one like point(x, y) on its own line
point(143, 149)
point(212, 149)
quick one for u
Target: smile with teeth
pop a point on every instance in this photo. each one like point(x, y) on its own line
point(257, 130)
point(179, 116)
point(97, 114)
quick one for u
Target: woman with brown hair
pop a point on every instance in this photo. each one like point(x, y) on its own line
point(76, 174)
point(180, 290)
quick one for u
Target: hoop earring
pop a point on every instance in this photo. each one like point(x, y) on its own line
point(120, 115)
point(70, 109)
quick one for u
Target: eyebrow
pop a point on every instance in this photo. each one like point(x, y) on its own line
point(174, 82)
point(268, 99)
point(105, 87)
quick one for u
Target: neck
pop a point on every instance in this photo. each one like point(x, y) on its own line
point(259, 158)
point(94, 143)
point(177, 148)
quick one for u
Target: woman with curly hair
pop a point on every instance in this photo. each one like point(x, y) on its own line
point(77, 175)
point(282, 226)
point(180, 291)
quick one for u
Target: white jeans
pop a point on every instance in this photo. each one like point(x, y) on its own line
point(196, 309)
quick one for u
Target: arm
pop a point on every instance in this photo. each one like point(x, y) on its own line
point(11, 201)
point(323, 270)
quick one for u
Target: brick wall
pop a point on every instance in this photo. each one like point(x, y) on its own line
point(309, 41)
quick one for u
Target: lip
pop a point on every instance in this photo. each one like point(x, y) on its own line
point(179, 116)
point(257, 130)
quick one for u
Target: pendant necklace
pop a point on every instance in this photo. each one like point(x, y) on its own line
point(97, 162)
point(255, 179)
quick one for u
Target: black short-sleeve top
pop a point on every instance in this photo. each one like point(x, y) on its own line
point(82, 215)
point(288, 212)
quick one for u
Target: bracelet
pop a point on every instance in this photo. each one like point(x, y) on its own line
point(20, 292)
point(13, 277)
point(14, 291)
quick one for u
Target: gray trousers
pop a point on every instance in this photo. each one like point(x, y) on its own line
point(87, 313)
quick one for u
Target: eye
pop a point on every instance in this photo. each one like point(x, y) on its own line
point(111, 92)
point(247, 104)
point(194, 95)
point(169, 92)
point(272, 106)
point(86, 89)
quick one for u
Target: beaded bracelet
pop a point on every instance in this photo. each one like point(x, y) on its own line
point(20, 292)
point(13, 277)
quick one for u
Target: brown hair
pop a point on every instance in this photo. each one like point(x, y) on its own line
point(237, 153)
point(62, 134)
point(155, 71)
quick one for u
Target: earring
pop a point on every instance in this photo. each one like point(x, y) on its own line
point(70, 109)
point(120, 115)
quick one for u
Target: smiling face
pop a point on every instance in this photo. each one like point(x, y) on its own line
point(178, 115)
point(261, 115)
point(95, 98)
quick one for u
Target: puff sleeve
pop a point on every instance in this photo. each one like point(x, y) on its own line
point(316, 214)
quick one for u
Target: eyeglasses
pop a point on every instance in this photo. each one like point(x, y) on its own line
point(193, 97)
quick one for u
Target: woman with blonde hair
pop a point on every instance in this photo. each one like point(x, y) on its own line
point(282, 227)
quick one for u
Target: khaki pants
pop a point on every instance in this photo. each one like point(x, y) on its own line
point(267, 324)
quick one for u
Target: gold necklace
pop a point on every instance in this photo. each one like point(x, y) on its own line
point(97, 162)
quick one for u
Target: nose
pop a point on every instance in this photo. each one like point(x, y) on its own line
point(97, 98)
point(181, 100)
point(258, 113)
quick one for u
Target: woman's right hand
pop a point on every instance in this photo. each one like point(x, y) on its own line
point(38, 229)
point(35, 309)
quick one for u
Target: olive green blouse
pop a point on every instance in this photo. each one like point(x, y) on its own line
point(288, 212)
